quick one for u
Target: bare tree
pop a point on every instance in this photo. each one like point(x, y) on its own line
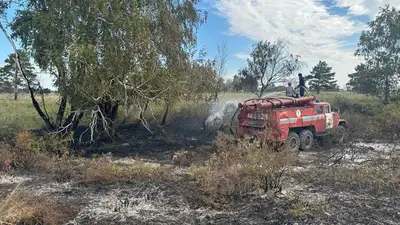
point(270, 63)
point(220, 67)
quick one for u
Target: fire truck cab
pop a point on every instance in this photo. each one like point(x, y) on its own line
point(293, 121)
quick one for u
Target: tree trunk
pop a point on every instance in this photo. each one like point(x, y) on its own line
point(260, 93)
point(141, 115)
point(16, 82)
point(113, 117)
point(61, 111)
point(107, 128)
point(386, 91)
point(165, 116)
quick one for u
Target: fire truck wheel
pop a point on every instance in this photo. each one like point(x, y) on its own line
point(340, 135)
point(224, 129)
point(293, 141)
point(306, 139)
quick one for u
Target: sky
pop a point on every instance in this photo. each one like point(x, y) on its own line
point(326, 30)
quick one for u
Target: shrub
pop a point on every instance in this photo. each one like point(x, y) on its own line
point(6, 160)
point(25, 159)
point(51, 143)
point(240, 168)
point(368, 118)
point(367, 106)
point(388, 121)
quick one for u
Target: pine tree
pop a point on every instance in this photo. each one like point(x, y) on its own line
point(5, 84)
point(11, 75)
point(365, 81)
point(322, 78)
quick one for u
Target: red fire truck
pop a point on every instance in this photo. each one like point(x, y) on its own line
point(297, 122)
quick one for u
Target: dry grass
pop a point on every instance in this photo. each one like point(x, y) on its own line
point(30, 153)
point(239, 169)
point(84, 171)
point(22, 208)
point(378, 177)
point(352, 192)
point(307, 208)
point(104, 171)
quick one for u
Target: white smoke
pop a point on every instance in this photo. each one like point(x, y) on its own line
point(221, 113)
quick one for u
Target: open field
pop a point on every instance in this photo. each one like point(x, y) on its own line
point(24, 115)
point(134, 181)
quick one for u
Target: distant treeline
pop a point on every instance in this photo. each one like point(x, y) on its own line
point(25, 90)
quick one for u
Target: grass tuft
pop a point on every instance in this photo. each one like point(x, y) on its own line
point(21, 208)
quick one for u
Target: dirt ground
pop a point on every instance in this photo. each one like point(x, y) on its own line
point(303, 200)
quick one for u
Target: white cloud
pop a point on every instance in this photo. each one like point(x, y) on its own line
point(366, 7)
point(242, 55)
point(45, 80)
point(43, 77)
point(314, 33)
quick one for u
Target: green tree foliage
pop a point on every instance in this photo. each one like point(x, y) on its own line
point(248, 82)
point(380, 47)
point(228, 85)
point(203, 78)
point(108, 54)
point(269, 63)
point(5, 83)
point(11, 76)
point(237, 83)
point(322, 78)
point(364, 81)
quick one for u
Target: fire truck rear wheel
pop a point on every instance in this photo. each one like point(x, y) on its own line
point(293, 141)
point(306, 139)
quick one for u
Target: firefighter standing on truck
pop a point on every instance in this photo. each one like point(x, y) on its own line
point(302, 85)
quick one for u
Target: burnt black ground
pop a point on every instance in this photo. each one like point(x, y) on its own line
point(184, 132)
point(182, 203)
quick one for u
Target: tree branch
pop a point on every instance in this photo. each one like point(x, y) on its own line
point(31, 91)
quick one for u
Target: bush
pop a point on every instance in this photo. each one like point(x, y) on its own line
point(51, 143)
point(240, 168)
point(368, 119)
point(389, 120)
point(364, 107)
